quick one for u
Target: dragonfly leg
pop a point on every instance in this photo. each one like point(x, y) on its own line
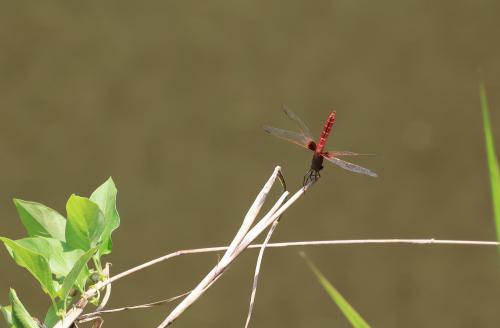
point(311, 176)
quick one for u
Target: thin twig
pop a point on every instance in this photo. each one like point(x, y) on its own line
point(107, 294)
point(259, 259)
point(249, 237)
point(97, 321)
point(214, 249)
point(135, 307)
point(381, 241)
point(254, 210)
point(216, 272)
point(78, 309)
point(220, 268)
point(421, 241)
point(257, 270)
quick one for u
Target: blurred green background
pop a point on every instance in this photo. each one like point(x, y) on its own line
point(169, 98)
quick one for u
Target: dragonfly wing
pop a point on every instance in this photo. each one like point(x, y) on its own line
point(345, 153)
point(294, 137)
point(302, 126)
point(349, 166)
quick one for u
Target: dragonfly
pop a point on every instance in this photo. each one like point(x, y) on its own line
point(305, 139)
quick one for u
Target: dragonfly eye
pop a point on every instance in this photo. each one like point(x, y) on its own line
point(312, 146)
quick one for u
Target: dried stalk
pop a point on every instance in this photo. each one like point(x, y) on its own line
point(238, 247)
point(77, 310)
point(239, 243)
point(135, 307)
point(107, 295)
point(257, 270)
point(259, 261)
point(254, 210)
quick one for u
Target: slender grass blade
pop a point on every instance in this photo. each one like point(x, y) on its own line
point(349, 312)
point(492, 158)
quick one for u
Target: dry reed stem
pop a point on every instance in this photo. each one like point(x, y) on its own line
point(245, 242)
point(127, 308)
point(254, 210)
point(259, 260)
point(78, 309)
point(239, 243)
point(107, 295)
point(257, 271)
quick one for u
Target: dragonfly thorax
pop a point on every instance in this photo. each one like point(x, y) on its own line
point(317, 162)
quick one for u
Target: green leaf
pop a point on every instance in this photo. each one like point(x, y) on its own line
point(7, 315)
point(72, 277)
point(54, 313)
point(492, 158)
point(82, 279)
point(51, 317)
point(34, 262)
point(349, 312)
point(20, 315)
point(85, 223)
point(105, 197)
point(40, 220)
point(61, 257)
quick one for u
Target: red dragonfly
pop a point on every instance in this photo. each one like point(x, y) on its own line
point(305, 139)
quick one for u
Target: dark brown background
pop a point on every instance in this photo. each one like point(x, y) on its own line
point(168, 98)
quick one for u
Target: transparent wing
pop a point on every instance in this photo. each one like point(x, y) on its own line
point(345, 153)
point(348, 166)
point(294, 137)
point(302, 126)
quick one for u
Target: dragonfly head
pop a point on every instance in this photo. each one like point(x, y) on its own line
point(311, 145)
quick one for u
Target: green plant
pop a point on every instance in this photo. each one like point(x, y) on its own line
point(57, 250)
point(492, 158)
point(349, 312)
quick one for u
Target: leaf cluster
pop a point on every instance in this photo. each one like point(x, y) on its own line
point(57, 250)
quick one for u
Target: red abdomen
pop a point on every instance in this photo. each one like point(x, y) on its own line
point(325, 133)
